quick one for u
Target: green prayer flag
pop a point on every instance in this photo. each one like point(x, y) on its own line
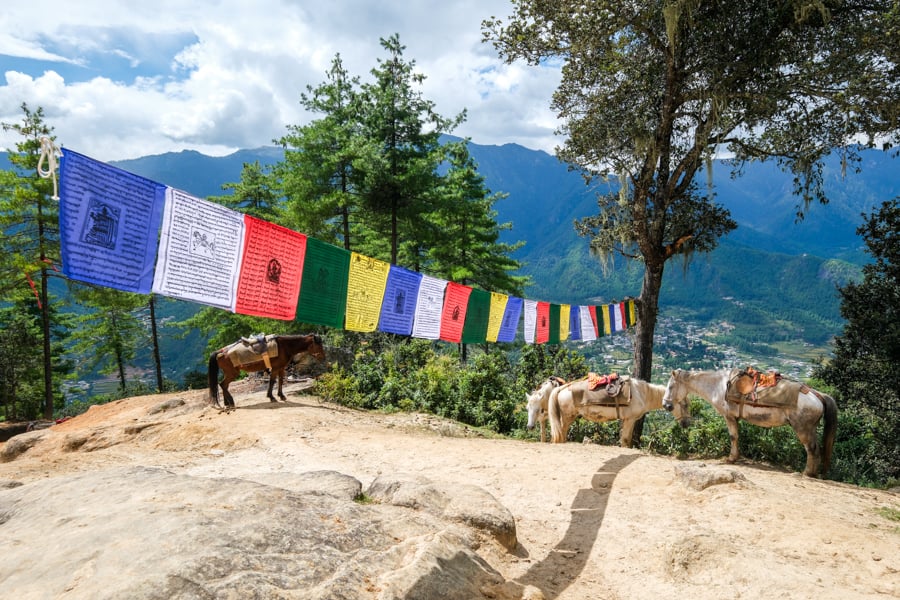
point(555, 310)
point(323, 290)
point(477, 316)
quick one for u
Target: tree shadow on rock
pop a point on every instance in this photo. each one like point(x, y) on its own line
point(565, 562)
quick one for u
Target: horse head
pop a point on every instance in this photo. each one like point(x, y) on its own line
point(533, 404)
point(317, 348)
point(536, 400)
point(675, 400)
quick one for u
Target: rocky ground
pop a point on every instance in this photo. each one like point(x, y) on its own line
point(590, 521)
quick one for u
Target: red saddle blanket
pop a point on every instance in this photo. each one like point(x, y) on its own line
point(595, 380)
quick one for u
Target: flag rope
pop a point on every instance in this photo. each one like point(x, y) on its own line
point(50, 154)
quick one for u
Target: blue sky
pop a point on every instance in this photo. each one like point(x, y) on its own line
point(120, 80)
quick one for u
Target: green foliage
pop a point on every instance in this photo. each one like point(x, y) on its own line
point(256, 194)
point(864, 369)
point(110, 332)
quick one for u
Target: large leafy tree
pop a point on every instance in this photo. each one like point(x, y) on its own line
point(30, 233)
point(652, 90)
point(866, 354)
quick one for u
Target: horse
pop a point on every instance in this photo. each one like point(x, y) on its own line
point(536, 402)
point(288, 347)
point(720, 389)
point(567, 403)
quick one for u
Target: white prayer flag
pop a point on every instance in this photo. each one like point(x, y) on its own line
point(587, 324)
point(429, 305)
point(530, 312)
point(200, 250)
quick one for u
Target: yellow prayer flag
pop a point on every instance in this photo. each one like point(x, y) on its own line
point(365, 292)
point(605, 310)
point(565, 315)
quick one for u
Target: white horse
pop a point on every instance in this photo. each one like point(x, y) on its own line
point(568, 402)
point(719, 389)
point(536, 402)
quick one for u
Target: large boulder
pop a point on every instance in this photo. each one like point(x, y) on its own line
point(148, 533)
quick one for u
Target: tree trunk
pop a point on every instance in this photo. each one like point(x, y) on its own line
point(48, 357)
point(647, 307)
point(153, 334)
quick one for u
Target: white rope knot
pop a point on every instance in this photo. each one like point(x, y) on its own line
point(49, 154)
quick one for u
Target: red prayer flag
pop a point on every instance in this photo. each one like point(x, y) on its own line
point(542, 329)
point(271, 270)
point(453, 316)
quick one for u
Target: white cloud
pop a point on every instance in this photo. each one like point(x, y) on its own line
point(218, 76)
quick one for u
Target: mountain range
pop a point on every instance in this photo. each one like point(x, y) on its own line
point(773, 279)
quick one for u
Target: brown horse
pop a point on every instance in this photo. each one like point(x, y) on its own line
point(244, 355)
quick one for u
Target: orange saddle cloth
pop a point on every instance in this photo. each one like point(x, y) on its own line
point(595, 380)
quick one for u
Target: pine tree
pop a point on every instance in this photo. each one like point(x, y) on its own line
point(404, 129)
point(467, 247)
point(319, 174)
point(866, 354)
point(29, 219)
point(111, 332)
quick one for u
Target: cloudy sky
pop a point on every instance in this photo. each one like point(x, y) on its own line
point(120, 80)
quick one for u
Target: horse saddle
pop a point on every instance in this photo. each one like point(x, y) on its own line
point(750, 386)
point(259, 348)
point(607, 390)
point(258, 343)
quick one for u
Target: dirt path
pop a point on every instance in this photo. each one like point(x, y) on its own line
point(593, 521)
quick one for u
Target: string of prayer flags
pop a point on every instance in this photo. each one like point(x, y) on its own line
point(365, 292)
point(123, 231)
point(108, 224)
point(323, 290)
point(271, 270)
point(478, 315)
point(429, 306)
point(511, 315)
point(453, 315)
point(199, 251)
point(398, 308)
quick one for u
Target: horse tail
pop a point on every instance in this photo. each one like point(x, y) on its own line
point(557, 436)
point(829, 432)
point(213, 378)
